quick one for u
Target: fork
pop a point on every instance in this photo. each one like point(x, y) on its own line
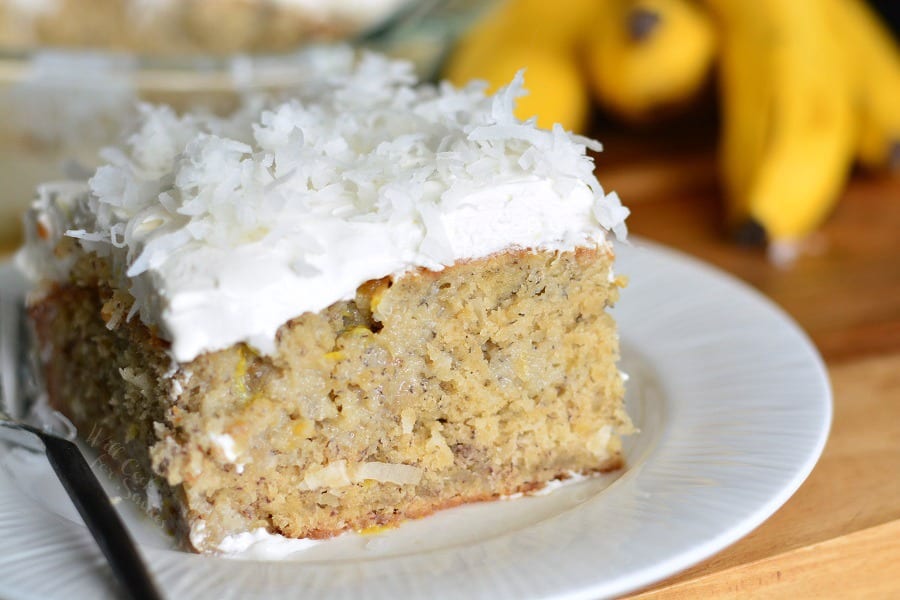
point(66, 459)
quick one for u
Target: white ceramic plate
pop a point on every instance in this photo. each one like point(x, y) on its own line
point(734, 407)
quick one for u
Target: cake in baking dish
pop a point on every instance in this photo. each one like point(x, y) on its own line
point(171, 27)
point(375, 301)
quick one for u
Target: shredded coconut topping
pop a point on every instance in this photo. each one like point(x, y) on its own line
point(223, 229)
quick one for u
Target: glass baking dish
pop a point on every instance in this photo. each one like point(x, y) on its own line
point(60, 106)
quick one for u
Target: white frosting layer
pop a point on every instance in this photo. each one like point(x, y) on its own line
point(259, 544)
point(223, 230)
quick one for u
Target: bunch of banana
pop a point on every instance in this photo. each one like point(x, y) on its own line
point(635, 55)
point(806, 86)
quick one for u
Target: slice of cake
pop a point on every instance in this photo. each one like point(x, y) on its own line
point(359, 307)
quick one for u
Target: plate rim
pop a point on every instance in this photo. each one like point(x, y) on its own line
point(741, 529)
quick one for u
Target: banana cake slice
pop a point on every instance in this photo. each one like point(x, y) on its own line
point(374, 301)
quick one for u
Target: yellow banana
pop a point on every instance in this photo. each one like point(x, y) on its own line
point(476, 48)
point(789, 127)
point(745, 107)
point(555, 84)
point(875, 80)
point(540, 37)
point(643, 55)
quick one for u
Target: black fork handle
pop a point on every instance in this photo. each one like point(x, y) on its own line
point(100, 517)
